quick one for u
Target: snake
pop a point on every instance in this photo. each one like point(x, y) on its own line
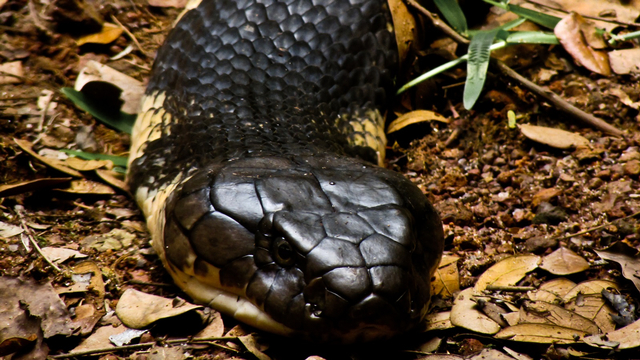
point(255, 159)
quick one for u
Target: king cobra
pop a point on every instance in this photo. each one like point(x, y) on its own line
point(252, 160)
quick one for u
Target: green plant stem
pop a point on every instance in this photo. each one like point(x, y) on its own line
point(444, 67)
point(625, 37)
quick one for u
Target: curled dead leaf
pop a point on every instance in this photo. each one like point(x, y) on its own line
point(556, 138)
point(414, 117)
point(572, 32)
point(109, 33)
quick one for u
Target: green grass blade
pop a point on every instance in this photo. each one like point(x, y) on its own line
point(479, 55)
point(116, 119)
point(453, 14)
point(442, 68)
point(532, 37)
point(116, 160)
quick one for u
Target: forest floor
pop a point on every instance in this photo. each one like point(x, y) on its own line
point(74, 242)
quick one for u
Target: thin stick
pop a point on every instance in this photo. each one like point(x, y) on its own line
point(146, 345)
point(115, 20)
point(435, 20)
point(598, 227)
point(20, 211)
point(557, 101)
point(510, 288)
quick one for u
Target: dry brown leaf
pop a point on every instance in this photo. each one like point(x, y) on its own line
point(404, 26)
point(115, 239)
point(438, 321)
point(169, 3)
point(429, 346)
point(99, 339)
point(31, 185)
point(625, 61)
point(556, 138)
point(56, 164)
point(97, 73)
point(11, 68)
point(492, 354)
point(512, 318)
point(540, 312)
point(87, 165)
point(590, 287)
point(507, 272)
point(83, 186)
point(564, 262)
point(414, 117)
point(593, 307)
point(252, 346)
point(109, 33)
point(9, 230)
point(465, 315)
point(60, 255)
point(446, 280)
point(96, 284)
point(626, 338)
point(138, 310)
point(87, 316)
point(113, 178)
point(540, 333)
point(572, 32)
point(214, 329)
point(627, 257)
point(552, 291)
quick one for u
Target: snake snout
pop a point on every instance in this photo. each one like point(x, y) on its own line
point(332, 248)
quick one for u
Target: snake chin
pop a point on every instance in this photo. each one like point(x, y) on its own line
point(328, 248)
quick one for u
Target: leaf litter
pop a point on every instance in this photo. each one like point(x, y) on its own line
point(488, 172)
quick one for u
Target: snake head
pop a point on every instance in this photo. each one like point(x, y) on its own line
point(326, 248)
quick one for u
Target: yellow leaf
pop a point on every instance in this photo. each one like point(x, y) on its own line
point(109, 33)
point(415, 117)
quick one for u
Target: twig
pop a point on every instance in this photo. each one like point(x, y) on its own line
point(510, 288)
point(115, 20)
point(598, 227)
point(21, 78)
point(613, 21)
point(435, 20)
point(145, 345)
point(557, 101)
point(20, 211)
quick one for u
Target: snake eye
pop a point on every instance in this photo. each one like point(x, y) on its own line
point(282, 252)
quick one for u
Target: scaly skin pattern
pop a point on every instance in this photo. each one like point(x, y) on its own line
point(252, 160)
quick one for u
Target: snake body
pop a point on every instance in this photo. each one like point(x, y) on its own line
point(252, 160)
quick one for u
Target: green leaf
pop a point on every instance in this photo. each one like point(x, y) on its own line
point(116, 119)
point(532, 37)
point(479, 55)
point(116, 160)
point(453, 14)
point(548, 21)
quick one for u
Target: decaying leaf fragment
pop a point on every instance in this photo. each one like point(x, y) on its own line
point(465, 314)
point(540, 312)
point(627, 257)
point(138, 310)
point(507, 272)
point(446, 280)
point(556, 138)
point(626, 338)
point(541, 333)
point(573, 32)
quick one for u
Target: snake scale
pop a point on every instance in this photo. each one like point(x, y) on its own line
point(253, 159)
